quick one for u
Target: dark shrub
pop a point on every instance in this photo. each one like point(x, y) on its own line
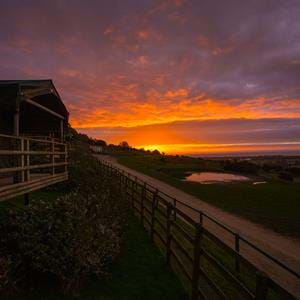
point(286, 176)
point(6, 278)
point(75, 236)
point(294, 170)
point(72, 237)
point(241, 167)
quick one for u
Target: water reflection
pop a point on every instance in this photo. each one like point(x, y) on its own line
point(214, 177)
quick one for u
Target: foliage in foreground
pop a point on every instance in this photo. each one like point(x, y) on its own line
point(77, 235)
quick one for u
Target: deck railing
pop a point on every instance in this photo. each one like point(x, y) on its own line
point(208, 266)
point(29, 163)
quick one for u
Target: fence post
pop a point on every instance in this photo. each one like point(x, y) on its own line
point(26, 199)
point(126, 185)
point(154, 199)
point(132, 194)
point(22, 177)
point(119, 175)
point(66, 158)
point(52, 156)
point(27, 160)
point(143, 192)
point(134, 191)
point(261, 286)
point(201, 218)
point(237, 249)
point(122, 179)
point(174, 203)
point(169, 233)
point(196, 266)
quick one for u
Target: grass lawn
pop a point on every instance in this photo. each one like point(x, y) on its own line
point(140, 273)
point(274, 204)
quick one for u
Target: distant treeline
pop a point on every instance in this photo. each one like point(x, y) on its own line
point(255, 166)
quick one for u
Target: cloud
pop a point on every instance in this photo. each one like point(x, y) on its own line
point(139, 62)
point(143, 35)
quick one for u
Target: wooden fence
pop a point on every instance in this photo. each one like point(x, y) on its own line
point(28, 164)
point(207, 266)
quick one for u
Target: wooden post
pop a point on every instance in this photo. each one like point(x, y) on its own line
point(132, 193)
point(66, 158)
point(169, 233)
point(126, 185)
point(26, 199)
point(16, 176)
point(17, 121)
point(22, 177)
point(121, 179)
point(62, 130)
point(237, 249)
point(196, 266)
point(154, 201)
point(53, 156)
point(143, 192)
point(27, 147)
point(201, 217)
point(261, 286)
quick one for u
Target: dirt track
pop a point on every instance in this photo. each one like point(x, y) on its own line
point(285, 249)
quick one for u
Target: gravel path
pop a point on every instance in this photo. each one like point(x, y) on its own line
point(285, 249)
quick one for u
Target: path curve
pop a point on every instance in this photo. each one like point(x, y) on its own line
point(285, 249)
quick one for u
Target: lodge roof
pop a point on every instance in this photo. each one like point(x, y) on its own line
point(41, 91)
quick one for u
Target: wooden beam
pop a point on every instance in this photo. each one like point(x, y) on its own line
point(32, 167)
point(17, 122)
point(29, 187)
point(33, 181)
point(61, 130)
point(44, 108)
point(27, 152)
point(30, 139)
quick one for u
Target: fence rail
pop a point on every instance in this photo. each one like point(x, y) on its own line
point(28, 164)
point(208, 267)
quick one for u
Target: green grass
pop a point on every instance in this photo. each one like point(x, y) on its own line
point(274, 204)
point(140, 272)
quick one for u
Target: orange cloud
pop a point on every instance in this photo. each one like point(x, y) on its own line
point(108, 30)
point(143, 35)
point(177, 93)
point(143, 60)
point(159, 109)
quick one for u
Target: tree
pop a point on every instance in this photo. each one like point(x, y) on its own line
point(100, 143)
point(286, 176)
point(124, 144)
point(156, 152)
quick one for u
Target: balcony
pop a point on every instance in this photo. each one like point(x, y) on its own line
point(30, 163)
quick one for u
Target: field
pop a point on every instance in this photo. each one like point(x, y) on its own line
point(274, 204)
point(140, 272)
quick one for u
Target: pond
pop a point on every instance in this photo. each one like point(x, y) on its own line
point(214, 177)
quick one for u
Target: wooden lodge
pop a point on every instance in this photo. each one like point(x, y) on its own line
point(33, 122)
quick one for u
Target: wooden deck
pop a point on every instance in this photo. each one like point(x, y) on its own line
point(28, 164)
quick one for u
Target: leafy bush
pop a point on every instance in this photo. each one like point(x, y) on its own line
point(76, 235)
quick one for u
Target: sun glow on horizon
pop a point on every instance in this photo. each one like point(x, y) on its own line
point(220, 148)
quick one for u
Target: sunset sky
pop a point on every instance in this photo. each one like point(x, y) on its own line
point(183, 76)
